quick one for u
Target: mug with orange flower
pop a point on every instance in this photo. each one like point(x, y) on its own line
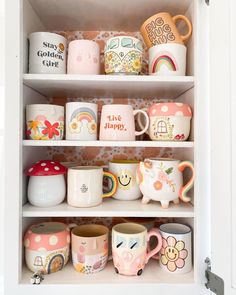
point(44, 121)
point(123, 55)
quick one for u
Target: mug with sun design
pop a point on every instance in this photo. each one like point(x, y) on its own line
point(125, 171)
point(81, 121)
point(176, 252)
point(123, 55)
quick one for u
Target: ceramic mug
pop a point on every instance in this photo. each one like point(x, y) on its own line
point(123, 55)
point(89, 248)
point(162, 180)
point(161, 28)
point(44, 121)
point(83, 57)
point(167, 59)
point(81, 121)
point(117, 122)
point(47, 53)
point(47, 247)
point(130, 247)
point(176, 251)
point(125, 171)
point(85, 184)
point(168, 121)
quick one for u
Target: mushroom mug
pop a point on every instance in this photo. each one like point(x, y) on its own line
point(47, 247)
point(161, 180)
point(130, 247)
point(46, 187)
point(169, 121)
point(89, 246)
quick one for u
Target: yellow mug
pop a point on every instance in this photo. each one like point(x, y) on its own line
point(161, 28)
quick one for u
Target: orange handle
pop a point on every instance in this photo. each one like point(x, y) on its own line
point(188, 23)
point(184, 189)
point(114, 184)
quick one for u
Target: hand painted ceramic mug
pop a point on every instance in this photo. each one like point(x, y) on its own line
point(117, 122)
point(47, 247)
point(83, 57)
point(123, 55)
point(162, 180)
point(130, 247)
point(161, 28)
point(176, 251)
point(85, 186)
point(167, 59)
point(44, 121)
point(125, 171)
point(89, 248)
point(81, 121)
point(169, 121)
point(47, 53)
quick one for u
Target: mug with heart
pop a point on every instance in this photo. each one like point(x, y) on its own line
point(117, 122)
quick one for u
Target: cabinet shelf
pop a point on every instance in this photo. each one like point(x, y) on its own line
point(100, 143)
point(108, 85)
point(112, 208)
point(152, 274)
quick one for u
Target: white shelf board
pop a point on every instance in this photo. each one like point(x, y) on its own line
point(112, 208)
point(137, 143)
point(108, 85)
point(152, 274)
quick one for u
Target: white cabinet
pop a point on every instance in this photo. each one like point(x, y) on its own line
point(206, 88)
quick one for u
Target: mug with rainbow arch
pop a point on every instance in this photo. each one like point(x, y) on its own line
point(81, 121)
point(168, 59)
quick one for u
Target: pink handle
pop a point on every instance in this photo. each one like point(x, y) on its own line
point(154, 232)
point(185, 188)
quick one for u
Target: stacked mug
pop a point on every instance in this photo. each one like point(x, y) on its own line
point(167, 52)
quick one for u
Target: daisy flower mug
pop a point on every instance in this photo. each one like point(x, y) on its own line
point(176, 252)
point(81, 121)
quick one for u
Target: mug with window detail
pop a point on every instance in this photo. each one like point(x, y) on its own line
point(169, 121)
point(89, 243)
point(130, 247)
point(83, 57)
point(123, 55)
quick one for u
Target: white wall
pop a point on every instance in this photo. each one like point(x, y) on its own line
point(1, 132)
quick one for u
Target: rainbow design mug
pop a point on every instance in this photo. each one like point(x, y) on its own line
point(81, 121)
point(167, 60)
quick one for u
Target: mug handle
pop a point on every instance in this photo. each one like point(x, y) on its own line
point(187, 22)
point(185, 188)
point(145, 128)
point(154, 232)
point(140, 123)
point(114, 184)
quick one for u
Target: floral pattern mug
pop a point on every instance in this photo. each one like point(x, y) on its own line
point(123, 55)
point(44, 121)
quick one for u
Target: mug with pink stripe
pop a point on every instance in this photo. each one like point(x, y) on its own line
point(169, 121)
point(47, 247)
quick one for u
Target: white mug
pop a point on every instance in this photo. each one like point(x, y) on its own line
point(47, 53)
point(125, 171)
point(44, 121)
point(167, 59)
point(81, 121)
point(85, 186)
point(176, 251)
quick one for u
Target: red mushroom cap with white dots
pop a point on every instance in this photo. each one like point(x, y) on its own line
point(45, 168)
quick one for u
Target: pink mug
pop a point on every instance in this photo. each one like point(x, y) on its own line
point(117, 122)
point(83, 57)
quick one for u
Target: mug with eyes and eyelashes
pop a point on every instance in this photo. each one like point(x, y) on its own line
point(83, 57)
point(130, 247)
point(89, 248)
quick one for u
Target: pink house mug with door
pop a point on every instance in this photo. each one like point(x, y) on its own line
point(162, 180)
point(130, 244)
